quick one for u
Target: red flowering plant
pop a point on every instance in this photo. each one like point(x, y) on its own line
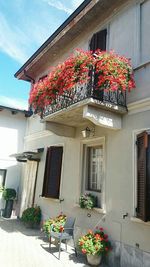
point(114, 73)
point(54, 224)
point(94, 242)
point(62, 78)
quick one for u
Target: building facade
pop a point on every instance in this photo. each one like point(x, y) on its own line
point(12, 132)
point(115, 139)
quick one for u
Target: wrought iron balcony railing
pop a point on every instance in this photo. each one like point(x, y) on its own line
point(84, 91)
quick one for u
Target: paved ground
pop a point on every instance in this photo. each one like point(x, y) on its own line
point(22, 247)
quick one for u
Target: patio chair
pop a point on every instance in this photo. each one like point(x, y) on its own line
point(66, 235)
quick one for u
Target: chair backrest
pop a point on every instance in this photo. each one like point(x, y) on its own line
point(69, 225)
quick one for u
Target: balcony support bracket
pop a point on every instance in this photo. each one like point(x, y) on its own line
point(103, 118)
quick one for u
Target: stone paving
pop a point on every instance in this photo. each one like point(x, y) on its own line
point(22, 247)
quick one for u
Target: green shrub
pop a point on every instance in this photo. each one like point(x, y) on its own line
point(1, 188)
point(32, 215)
point(9, 193)
point(87, 201)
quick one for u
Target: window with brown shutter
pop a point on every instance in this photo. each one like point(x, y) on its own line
point(143, 176)
point(52, 175)
point(98, 41)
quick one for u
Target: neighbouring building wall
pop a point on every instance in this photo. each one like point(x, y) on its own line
point(12, 131)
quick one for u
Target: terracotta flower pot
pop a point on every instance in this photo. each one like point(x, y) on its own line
point(94, 260)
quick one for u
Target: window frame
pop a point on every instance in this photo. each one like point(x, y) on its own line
point(138, 48)
point(88, 174)
point(97, 142)
point(140, 32)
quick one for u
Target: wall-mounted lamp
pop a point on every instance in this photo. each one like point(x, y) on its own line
point(88, 132)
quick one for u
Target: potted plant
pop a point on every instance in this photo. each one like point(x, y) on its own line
point(87, 201)
point(31, 217)
point(94, 244)
point(9, 194)
point(55, 224)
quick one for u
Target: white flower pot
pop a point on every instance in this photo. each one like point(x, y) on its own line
point(94, 260)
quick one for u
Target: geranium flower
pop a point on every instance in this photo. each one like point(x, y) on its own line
point(113, 72)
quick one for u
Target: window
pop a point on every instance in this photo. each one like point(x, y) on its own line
point(95, 168)
point(143, 176)
point(98, 40)
point(93, 171)
point(144, 35)
point(2, 177)
point(52, 175)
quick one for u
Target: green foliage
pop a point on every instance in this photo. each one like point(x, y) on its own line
point(31, 215)
point(1, 188)
point(94, 242)
point(54, 224)
point(9, 193)
point(87, 201)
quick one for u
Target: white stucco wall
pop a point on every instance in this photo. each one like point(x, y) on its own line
point(123, 34)
point(12, 131)
point(119, 181)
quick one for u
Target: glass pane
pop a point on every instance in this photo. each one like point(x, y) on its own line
point(95, 168)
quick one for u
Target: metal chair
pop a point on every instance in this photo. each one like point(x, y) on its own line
point(66, 235)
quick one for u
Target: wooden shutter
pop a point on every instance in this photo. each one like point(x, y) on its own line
point(148, 181)
point(142, 145)
point(98, 41)
point(52, 176)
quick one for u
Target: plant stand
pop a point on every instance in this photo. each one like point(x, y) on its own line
point(94, 260)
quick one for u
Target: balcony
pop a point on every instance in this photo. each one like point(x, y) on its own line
point(86, 87)
point(114, 99)
point(69, 108)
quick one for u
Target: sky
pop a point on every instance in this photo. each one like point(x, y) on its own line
point(24, 26)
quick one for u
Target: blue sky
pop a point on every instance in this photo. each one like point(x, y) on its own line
point(24, 26)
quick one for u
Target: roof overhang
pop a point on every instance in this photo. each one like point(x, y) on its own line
point(20, 74)
point(27, 113)
point(28, 155)
point(86, 14)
